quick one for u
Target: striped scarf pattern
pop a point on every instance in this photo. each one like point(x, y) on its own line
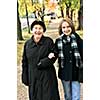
point(74, 47)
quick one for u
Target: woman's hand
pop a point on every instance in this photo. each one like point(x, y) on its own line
point(51, 55)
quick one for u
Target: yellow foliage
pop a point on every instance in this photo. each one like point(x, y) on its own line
point(30, 8)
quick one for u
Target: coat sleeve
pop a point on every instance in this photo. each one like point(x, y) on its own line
point(24, 68)
point(46, 62)
point(80, 45)
point(56, 48)
point(81, 49)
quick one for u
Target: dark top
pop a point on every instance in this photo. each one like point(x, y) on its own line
point(38, 71)
point(70, 72)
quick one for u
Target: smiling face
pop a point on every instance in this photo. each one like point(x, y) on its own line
point(66, 26)
point(37, 32)
point(66, 29)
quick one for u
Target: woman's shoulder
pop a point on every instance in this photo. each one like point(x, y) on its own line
point(77, 36)
point(58, 39)
point(79, 39)
point(28, 41)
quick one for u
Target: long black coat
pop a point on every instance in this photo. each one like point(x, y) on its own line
point(70, 72)
point(38, 71)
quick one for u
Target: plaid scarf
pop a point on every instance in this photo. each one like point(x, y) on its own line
point(74, 47)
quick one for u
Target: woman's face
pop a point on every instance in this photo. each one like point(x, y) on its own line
point(66, 29)
point(37, 32)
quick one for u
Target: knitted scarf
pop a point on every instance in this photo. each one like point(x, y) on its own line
point(74, 46)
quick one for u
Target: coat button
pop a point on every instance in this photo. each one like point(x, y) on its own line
point(70, 61)
point(70, 51)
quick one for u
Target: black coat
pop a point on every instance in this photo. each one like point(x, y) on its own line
point(70, 72)
point(38, 71)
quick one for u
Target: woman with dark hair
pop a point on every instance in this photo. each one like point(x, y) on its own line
point(38, 72)
point(69, 48)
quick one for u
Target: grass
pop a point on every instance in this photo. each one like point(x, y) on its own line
point(20, 45)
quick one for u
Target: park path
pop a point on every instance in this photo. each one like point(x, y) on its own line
point(22, 90)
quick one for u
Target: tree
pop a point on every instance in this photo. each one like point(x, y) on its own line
point(73, 8)
point(61, 4)
point(27, 16)
point(42, 11)
point(32, 2)
point(80, 18)
point(68, 6)
point(25, 7)
point(19, 31)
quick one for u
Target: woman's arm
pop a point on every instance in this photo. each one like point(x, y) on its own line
point(24, 68)
point(80, 45)
point(50, 60)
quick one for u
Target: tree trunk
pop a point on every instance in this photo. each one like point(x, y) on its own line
point(42, 11)
point(27, 18)
point(80, 15)
point(32, 2)
point(71, 14)
point(62, 13)
point(67, 10)
point(19, 31)
point(42, 15)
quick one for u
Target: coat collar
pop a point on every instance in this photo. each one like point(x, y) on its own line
point(39, 43)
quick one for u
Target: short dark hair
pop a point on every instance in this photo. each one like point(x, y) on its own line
point(36, 22)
